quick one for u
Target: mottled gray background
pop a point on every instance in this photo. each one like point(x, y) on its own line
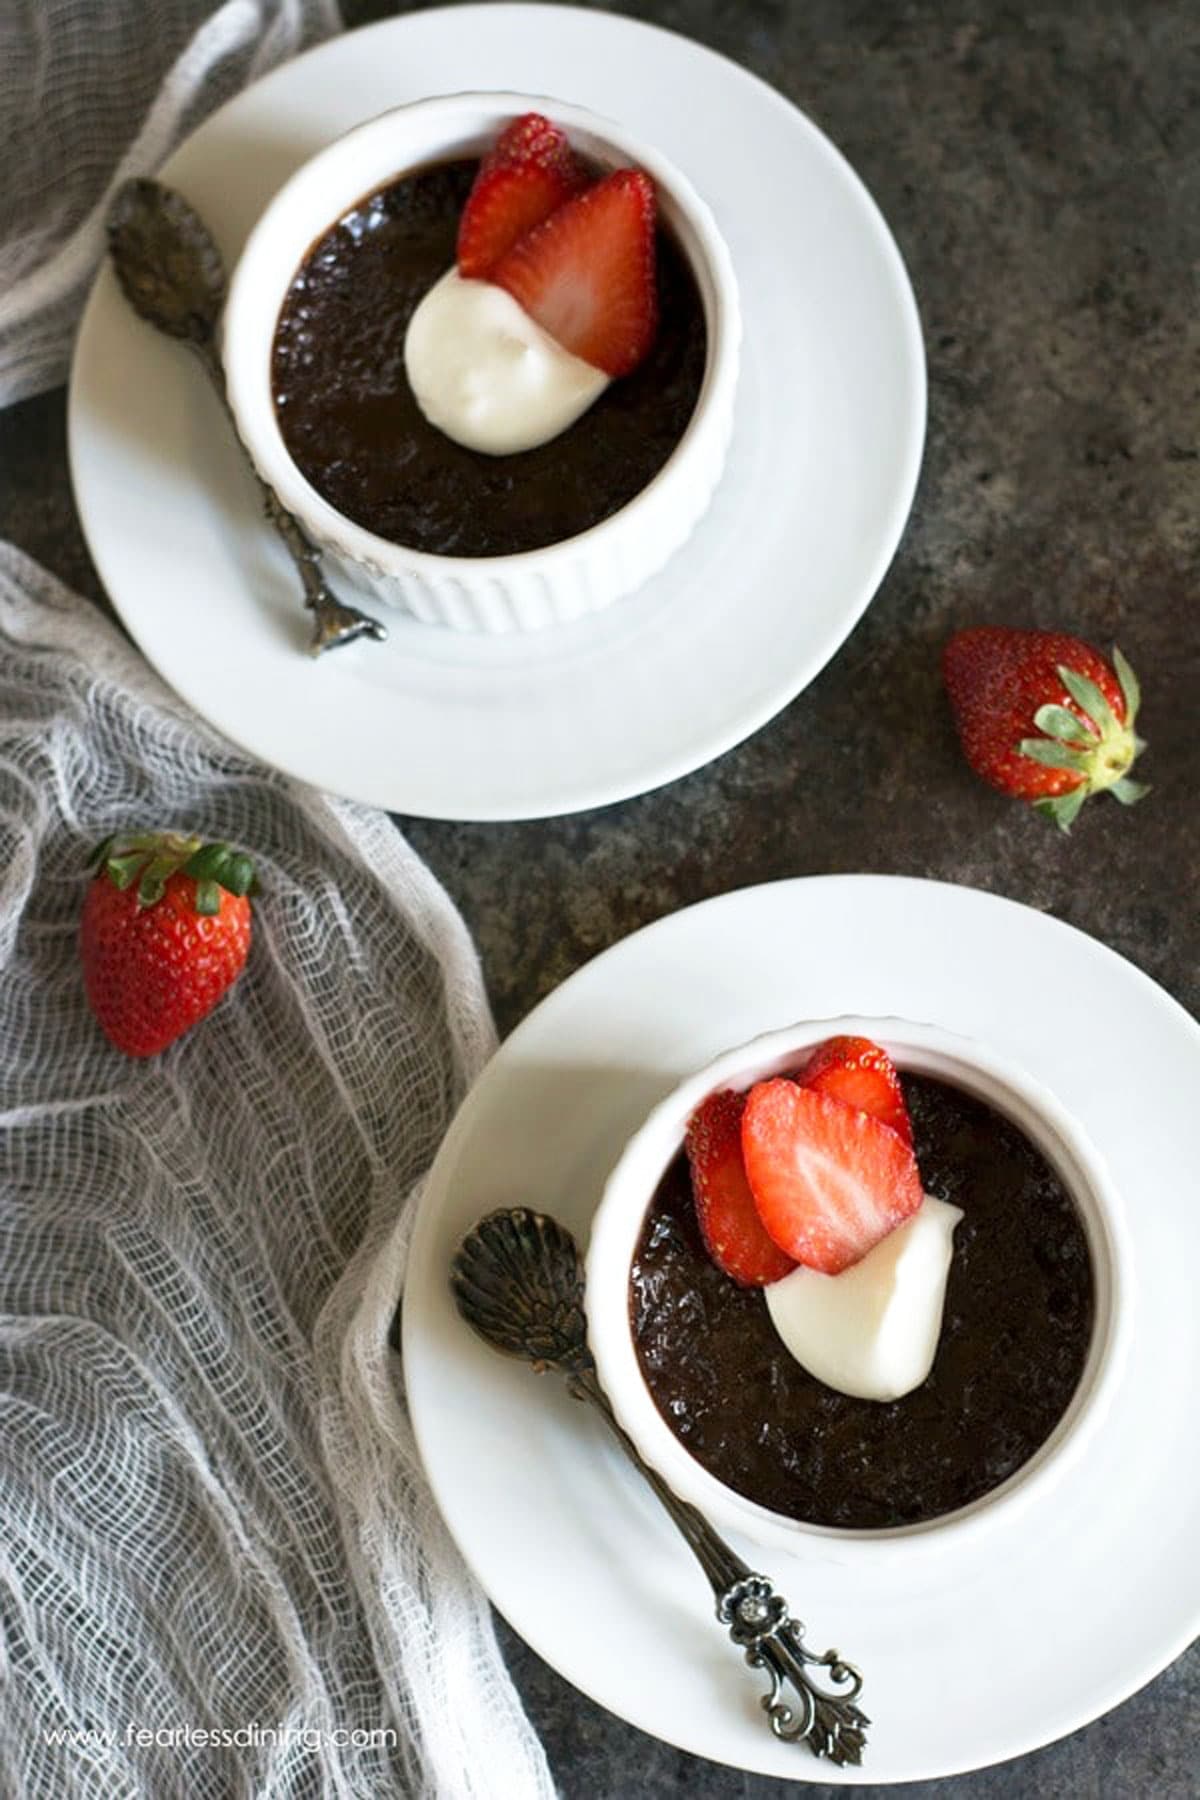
point(1040, 167)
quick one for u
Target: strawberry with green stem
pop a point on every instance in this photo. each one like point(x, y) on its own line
point(165, 932)
point(1006, 684)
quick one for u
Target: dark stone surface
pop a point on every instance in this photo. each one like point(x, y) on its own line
point(1040, 168)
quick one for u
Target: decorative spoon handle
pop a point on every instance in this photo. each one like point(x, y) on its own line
point(759, 1623)
point(517, 1281)
point(334, 622)
point(170, 271)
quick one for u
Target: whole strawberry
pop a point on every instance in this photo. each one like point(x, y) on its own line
point(1006, 685)
point(164, 933)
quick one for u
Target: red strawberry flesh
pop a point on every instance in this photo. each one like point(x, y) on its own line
point(829, 1182)
point(530, 171)
point(532, 138)
point(733, 1233)
point(861, 1074)
point(506, 203)
point(587, 272)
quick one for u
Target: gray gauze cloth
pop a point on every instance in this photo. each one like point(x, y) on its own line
point(212, 1516)
point(212, 1519)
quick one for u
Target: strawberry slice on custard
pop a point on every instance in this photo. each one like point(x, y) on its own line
point(532, 138)
point(829, 1182)
point(530, 172)
point(733, 1233)
point(859, 1073)
point(587, 272)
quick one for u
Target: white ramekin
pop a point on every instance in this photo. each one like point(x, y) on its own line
point(919, 1049)
point(536, 588)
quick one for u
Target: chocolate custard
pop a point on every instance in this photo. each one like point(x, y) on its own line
point(1017, 1327)
point(351, 424)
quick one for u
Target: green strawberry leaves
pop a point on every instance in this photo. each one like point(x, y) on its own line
point(1086, 694)
point(1100, 748)
point(216, 866)
point(151, 858)
point(1064, 809)
point(1064, 725)
point(1130, 686)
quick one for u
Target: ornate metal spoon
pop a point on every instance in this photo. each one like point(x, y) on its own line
point(517, 1280)
point(171, 273)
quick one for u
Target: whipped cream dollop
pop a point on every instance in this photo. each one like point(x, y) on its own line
point(487, 375)
point(873, 1330)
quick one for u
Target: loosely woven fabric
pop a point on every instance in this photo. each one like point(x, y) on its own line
point(221, 1570)
point(92, 91)
point(212, 1516)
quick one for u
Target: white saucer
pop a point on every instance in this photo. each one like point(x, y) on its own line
point(827, 445)
point(1085, 1597)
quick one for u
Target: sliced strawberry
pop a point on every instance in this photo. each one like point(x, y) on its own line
point(586, 274)
point(829, 1182)
point(858, 1073)
point(729, 1223)
point(533, 139)
point(530, 171)
point(505, 203)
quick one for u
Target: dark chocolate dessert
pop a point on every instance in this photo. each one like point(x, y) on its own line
point(353, 427)
point(1015, 1337)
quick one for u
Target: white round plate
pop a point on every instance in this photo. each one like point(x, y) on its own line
point(977, 1658)
point(827, 445)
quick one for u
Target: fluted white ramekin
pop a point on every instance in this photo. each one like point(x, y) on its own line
point(922, 1050)
point(535, 588)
